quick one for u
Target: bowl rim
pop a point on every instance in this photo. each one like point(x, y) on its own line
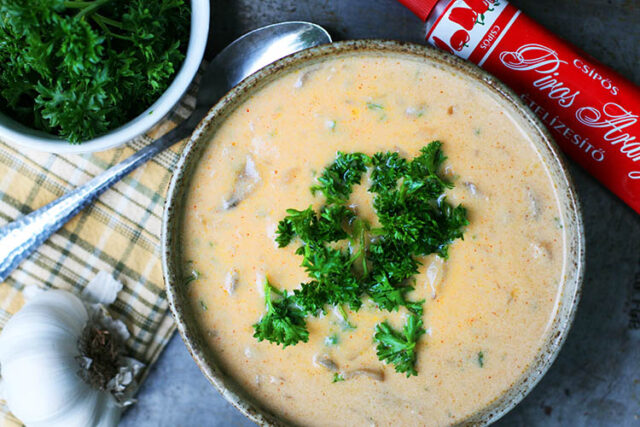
point(15, 133)
point(570, 206)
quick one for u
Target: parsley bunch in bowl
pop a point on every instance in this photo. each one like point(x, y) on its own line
point(78, 69)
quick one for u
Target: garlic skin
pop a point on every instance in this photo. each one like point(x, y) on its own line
point(40, 361)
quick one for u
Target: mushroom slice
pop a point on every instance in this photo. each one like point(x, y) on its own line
point(276, 380)
point(374, 374)
point(415, 111)
point(304, 76)
point(249, 352)
point(324, 361)
point(246, 181)
point(474, 190)
point(435, 274)
point(541, 250)
point(534, 203)
point(231, 281)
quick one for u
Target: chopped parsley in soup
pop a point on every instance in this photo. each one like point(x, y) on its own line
point(373, 241)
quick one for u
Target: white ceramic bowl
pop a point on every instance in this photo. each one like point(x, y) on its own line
point(13, 132)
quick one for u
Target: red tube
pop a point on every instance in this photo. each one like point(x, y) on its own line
point(591, 110)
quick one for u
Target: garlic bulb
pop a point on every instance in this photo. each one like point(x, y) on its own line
point(61, 359)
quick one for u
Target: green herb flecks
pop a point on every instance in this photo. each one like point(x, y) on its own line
point(346, 325)
point(193, 274)
point(400, 348)
point(337, 378)
point(558, 222)
point(332, 340)
point(78, 69)
point(415, 220)
point(481, 359)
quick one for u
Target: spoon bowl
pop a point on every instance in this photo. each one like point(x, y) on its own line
point(250, 53)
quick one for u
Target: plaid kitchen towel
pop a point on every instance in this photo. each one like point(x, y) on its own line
point(119, 234)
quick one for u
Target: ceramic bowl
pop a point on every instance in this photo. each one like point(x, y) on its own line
point(194, 337)
point(15, 133)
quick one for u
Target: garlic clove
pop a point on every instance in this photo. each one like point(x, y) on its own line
point(103, 289)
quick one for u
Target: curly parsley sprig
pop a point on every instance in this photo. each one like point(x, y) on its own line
point(283, 322)
point(399, 348)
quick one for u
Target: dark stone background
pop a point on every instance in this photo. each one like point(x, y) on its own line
point(596, 379)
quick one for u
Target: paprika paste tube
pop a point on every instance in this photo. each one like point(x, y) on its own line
point(590, 109)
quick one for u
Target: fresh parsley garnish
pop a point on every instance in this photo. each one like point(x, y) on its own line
point(415, 220)
point(337, 180)
point(387, 169)
point(283, 322)
point(415, 216)
point(399, 348)
point(327, 227)
point(391, 297)
point(78, 69)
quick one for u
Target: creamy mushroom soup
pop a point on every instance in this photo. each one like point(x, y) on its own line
point(488, 307)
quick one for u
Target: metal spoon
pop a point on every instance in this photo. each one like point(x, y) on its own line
point(237, 61)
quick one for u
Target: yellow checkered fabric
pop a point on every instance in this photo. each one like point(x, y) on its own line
point(119, 234)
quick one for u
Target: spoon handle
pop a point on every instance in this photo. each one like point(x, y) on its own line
point(18, 239)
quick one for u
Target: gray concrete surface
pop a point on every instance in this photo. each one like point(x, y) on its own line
point(596, 379)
